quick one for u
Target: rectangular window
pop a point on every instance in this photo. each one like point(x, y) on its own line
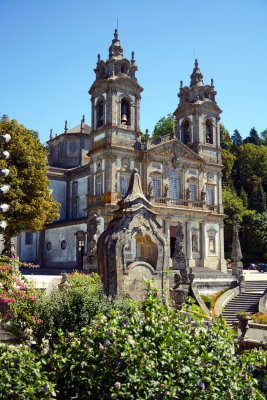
point(98, 185)
point(28, 238)
point(75, 188)
point(210, 196)
point(124, 184)
point(174, 185)
point(193, 192)
point(156, 187)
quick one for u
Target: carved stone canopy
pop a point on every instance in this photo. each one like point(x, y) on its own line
point(134, 222)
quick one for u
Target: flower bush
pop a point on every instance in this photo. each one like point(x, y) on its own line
point(17, 299)
point(259, 318)
point(125, 350)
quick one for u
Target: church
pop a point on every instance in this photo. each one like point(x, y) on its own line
point(90, 168)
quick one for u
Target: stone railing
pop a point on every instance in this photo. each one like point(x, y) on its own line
point(172, 202)
point(114, 197)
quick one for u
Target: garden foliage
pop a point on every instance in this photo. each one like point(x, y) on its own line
point(140, 351)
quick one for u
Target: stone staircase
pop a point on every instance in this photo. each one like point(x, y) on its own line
point(247, 301)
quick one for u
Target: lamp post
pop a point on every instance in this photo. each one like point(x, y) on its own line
point(4, 172)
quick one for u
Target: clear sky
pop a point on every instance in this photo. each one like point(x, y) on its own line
point(49, 50)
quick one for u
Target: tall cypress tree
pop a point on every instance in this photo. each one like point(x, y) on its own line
point(236, 138)
point(257, 199)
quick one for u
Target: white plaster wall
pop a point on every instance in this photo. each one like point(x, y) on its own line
point(55, 236)
point(59, 194)
point(28, 252)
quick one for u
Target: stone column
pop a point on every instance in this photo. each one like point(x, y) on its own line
point(203, 244)
point(222, 260)
point(188, 241)
point(137, 113)
point(167, 228)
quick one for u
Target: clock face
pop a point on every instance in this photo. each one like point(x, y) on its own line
point(73, 146)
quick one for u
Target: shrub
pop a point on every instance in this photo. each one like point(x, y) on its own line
point(17, 299)
point(152, 353)
point(22, 374)
point(73, 309)
point(207, 300)
point(259, 318)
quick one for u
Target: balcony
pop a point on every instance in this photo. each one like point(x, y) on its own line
point(114, 197)
point(182, 203)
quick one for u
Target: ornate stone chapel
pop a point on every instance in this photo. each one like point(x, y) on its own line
point(90, 169)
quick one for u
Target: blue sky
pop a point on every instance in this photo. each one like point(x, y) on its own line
point(49, 50)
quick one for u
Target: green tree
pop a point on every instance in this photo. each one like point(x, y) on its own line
point(228, 160)
point(253, 137)
point(251, 165)
point(164, 126)
point(244, 197)
point(264, 137)
point(236, 138)
point(31, 203)
point(257, 199)
point(225, 138)
point(257, 234)
point(233, 206)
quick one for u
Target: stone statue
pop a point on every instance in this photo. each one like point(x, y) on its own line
point(150, 188)
point(64, 284)
point(236, 255)
point(166, 190)
point(9, 249)
point(203, 195)
point(178, 258)
point(188, 194)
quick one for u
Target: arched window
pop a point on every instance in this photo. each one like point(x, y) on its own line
point(125, 112)
point(185, 132)
point(100, 113)
point(209, 134)
point(174, 185)
point(124, 69)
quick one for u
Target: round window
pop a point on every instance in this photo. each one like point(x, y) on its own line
point(48, 246)
point(63, 244)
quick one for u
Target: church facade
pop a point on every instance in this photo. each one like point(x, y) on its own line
point(90, 169)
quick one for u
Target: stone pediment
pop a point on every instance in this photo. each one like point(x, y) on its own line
point(175, 148)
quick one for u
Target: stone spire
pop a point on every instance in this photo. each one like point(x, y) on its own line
point(82, 124)
point(196, 77)
point(115, 50)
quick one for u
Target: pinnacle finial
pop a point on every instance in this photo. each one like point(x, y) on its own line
point(116, 34)
point(51, 133)
point(98, 57)
point(82, 124)
point(196, 77)
point(181, 84)
point(211, 82)
point(66, 126)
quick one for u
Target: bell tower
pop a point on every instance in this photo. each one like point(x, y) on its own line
point(197, 117)
point(115, 98)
